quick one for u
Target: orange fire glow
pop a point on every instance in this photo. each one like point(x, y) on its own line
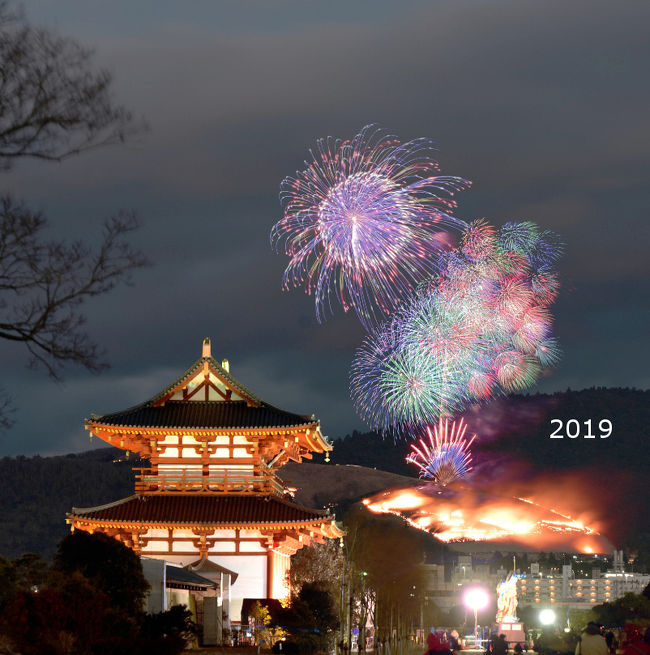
point(461, 512)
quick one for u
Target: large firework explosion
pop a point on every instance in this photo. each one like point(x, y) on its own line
point(363, 222)
point(479, 328)
point(445, 457)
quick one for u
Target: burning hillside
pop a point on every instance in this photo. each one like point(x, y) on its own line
point(460, 512)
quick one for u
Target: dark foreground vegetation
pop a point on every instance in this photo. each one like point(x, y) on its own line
point(88, 601)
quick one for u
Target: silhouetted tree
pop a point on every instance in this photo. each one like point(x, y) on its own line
point(629, 607)
point(321, 564)
point(320, 602)
point(53, 104)
point(109, 565)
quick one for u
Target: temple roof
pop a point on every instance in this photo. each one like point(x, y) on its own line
point(207, 567)
point(187, 509)
point(205, 396)
point(204, 415)
point(184, 578)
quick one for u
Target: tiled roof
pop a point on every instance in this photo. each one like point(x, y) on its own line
point(205, 566)
point(175, 574)
point(204, 510)
point(204, 414)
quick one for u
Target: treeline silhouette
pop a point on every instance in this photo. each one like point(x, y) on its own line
point(521, 426)
point(36, 492)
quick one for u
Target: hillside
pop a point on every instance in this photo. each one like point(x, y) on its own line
point(36, 492)
point(338, 484)
point(520, 426)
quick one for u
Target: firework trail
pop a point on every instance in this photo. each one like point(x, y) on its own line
point(481, 327)
point(446, 457)
point(363, 222)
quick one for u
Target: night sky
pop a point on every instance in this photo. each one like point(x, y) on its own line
point(543, 105)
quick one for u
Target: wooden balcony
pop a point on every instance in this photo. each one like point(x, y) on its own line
point(152, 481)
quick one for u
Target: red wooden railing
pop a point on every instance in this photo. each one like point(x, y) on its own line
point(156, 481)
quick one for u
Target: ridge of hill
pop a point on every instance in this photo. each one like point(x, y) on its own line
point(36, 492)
point(318, 485)
point(520, 426)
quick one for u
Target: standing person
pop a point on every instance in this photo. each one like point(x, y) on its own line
point(591, 642)
point(437, 643)
point(454, 640)
point(500, 646)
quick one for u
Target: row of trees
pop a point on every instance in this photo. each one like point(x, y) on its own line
point(90, 600)
point(373, 575)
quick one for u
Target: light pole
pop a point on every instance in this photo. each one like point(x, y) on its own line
point(476, 598)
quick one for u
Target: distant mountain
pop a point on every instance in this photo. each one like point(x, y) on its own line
point(513, 439)
point(520, 426)
point(514, 443)
point(36, 492)
point(319, 485)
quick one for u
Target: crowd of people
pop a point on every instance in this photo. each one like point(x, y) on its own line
point(631, 640)
point(443, 642)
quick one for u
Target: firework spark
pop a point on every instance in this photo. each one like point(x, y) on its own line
point(479, 328)
point(362, 222)
point(446, 457)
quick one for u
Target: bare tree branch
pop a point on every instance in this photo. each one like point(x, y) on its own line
point(52, 104)
point(43, 285)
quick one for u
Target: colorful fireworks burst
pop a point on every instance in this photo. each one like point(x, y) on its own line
point(446, 456)
point(481, 327)
point(363, 222)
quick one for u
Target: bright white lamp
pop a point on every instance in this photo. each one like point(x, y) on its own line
point(476, 598)
point(546, 617)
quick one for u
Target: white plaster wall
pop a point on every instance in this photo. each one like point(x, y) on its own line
point(155, 545)
point(251, 581)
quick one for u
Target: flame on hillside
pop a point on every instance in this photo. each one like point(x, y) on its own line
point(461, 512)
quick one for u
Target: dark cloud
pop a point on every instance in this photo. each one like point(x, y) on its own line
point(541, 104)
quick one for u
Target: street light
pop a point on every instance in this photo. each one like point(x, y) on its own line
point(547, 617)
point(476, 598)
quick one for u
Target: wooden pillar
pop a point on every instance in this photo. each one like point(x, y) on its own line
point(269, 572)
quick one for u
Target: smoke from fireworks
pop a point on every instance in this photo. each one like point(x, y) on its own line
point(363, 221)
point(446, 457)
point(481, 327)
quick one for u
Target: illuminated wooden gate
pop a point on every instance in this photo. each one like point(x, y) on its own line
point(211, 490)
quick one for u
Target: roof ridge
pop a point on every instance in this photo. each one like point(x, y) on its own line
point(287, 501)
point(195, 367)
point(115, 503)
